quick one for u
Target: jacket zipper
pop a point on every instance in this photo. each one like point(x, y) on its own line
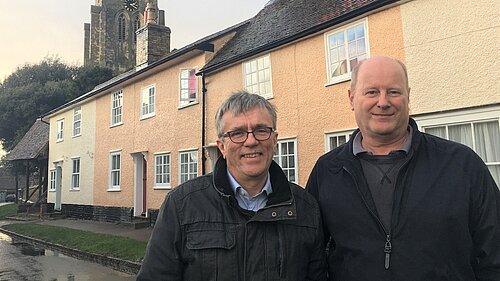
point(388, 244)
point(387, 251)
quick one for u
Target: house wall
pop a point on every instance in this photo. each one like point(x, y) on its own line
point(307, 106)
point(82, 146)
point(451, 51)
point(172, 129)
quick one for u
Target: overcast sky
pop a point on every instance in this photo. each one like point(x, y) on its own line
point(33, 29)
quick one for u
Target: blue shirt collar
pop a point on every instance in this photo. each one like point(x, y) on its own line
point(244, 201)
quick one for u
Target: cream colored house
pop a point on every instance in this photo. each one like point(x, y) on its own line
point(71, 155)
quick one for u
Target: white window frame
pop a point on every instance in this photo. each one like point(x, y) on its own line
point(460, 117)
point(344, 29)
point(163, 169)
point(148, 109)
point(75, 173)
point(190, 174)
point(328, 136)
point(52, 184)
point(114, 170)
point(257, 76)
point(184, 92)
point(60, 130)
point(278, 158)
point(77, 121)
point(116, 108)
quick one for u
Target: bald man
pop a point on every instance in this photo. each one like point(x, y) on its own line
point(399, 204)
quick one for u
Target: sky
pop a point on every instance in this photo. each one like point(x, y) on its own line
point(31, 30)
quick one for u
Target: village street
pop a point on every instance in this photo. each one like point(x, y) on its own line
point(22, 261)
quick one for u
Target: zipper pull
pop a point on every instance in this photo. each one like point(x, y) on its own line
point(387, 251)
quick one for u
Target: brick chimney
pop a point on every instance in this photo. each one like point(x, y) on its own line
point(153, 39)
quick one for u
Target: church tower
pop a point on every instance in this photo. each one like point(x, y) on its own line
point(110, 37)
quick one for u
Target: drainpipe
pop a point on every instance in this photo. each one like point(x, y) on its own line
point(203, 105)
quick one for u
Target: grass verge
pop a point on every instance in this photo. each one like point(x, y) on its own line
point(8, 210)
point(103, 244)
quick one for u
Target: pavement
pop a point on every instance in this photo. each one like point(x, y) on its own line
point(125, 230)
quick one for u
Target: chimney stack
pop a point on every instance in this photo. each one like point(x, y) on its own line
point(153, 39)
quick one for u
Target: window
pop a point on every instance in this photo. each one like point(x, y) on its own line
point(114, 170)
point(60, 130)
point(52, 186)
point(257, 76)
point(75, 176)
point(189, 87)
point(116, 108)
point(77, 121)
point(137, 25)
point(188, 165)
point(121, 27)
point(335, 140)
point(147, 102)
point(162, 170)
point(345, 49)
point(285, 156)
point(482, 136)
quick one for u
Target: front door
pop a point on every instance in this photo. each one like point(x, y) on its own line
point(57, 205)
point(140, 183)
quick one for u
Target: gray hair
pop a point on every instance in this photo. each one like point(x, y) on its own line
point(240, 102)
point(354, 73)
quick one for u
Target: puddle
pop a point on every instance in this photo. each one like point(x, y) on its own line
point(29, 249)
point(5, 237)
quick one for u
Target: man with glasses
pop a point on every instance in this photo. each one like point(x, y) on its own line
point(245, 221)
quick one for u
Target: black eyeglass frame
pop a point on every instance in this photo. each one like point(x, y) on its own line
point(270, 129)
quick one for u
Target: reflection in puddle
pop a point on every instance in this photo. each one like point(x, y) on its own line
point(29, 249)
point(5, 237)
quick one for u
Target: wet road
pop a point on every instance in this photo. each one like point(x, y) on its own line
point(21, 261)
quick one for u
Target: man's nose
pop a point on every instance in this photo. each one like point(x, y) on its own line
point(383, 100)
point(251, 140)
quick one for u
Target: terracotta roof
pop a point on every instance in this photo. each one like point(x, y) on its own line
point(33, 144)
point(283, 21)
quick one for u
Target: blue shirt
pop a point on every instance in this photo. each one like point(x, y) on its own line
point(256, 202)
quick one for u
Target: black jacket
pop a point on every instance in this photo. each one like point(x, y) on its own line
point(445, 222)
point(202, 234)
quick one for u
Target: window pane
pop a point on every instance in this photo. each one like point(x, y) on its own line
point(487, 137)
point(436, 131)
point(351, 34)
point(360, 31)
point(461, 134)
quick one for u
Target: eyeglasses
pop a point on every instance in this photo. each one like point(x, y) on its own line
point(240, 136)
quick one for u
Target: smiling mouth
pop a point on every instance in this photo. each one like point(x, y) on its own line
point(251, 155)
point(382, 115)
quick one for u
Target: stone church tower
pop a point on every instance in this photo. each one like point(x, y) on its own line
point(110, 37)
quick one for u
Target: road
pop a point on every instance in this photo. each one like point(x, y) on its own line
point(21, 261)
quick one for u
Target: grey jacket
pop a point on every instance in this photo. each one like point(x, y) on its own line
point(202, 234)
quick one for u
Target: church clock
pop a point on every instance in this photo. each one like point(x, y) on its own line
point(130, 5)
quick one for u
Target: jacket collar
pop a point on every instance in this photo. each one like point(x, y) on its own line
point(415, 139)
point(281, 187)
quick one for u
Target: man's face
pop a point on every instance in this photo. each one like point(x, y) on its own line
point(248, 161)
point(380, 99)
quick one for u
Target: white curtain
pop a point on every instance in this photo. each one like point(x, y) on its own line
point(487, 137)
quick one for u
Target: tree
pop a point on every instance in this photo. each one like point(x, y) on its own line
point(33, 90)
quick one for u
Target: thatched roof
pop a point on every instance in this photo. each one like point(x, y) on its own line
point(33, 145)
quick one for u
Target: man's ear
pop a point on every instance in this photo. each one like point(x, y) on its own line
point(222, 149)
point(350, 96)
